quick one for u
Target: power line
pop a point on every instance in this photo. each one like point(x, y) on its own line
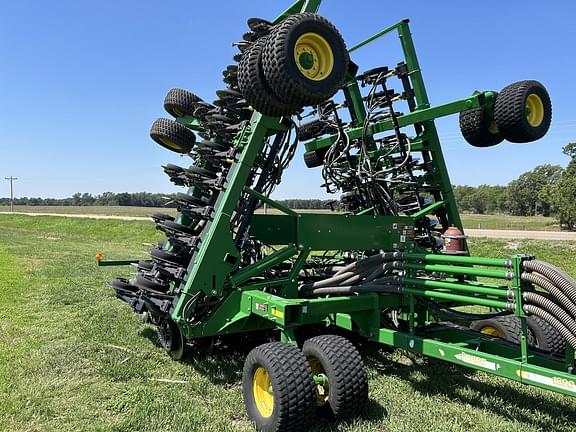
point(11, 191)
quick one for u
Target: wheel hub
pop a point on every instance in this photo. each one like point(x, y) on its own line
point(321, 381)
point(314, 57)
point(263, 392)
point(491, 331)
point(534, 110)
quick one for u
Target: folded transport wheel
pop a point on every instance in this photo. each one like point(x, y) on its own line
point(339, 374)
point(171, 338)
point(313, 129)
point(315, 158)
point(523, 111)
point(180, 102)
point(253, 85)
point(305, 59)
point(479, 128)
point(172, 135)
point(546, 337)
point(278, 388)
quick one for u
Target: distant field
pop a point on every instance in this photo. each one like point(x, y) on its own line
point(527, 223)
point(92, 210)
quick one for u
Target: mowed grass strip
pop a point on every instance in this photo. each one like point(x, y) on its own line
point(475, 221)
point(74, 358)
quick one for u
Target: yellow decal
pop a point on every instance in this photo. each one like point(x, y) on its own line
point(557, 382)
point(277, 313)
point(477, 361)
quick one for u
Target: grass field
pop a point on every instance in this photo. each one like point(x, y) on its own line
point(73, 358)
point(92, 210)
point(532, 223)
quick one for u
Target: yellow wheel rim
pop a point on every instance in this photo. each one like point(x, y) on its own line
point(262, 390)
point(493, 128)
point(313, 56)
point(321, 390)
point(534, 110)
point(491, 331)
point(169, 143)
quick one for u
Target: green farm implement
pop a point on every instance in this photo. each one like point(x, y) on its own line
point(390, 266)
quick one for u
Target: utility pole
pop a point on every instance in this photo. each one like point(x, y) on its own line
point(11, 191)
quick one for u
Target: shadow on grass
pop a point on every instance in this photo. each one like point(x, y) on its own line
point(372, 412)
point(221, 360)
point(435, 377)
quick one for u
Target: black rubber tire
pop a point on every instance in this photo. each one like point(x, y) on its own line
point(313, 129)
point(180, 102)
point(150, 286)
point(200, 172)
point(279, 63)
point(293, 387)
point(511, 116)
point(259, 25)
point(479, 128)
point(168, 256)
point(161, 217)
point(145, 265)
point(546, 337)
point(509, 328)
point(172, 135)
point(190, 200)
point(341, 362)
point(122, 284)
point(253, 85)
point(171, 339)
point(315, 158)
point(175, 226)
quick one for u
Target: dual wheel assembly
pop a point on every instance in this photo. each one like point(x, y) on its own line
point(302, 61)
point(521, 112)
point(284, 387)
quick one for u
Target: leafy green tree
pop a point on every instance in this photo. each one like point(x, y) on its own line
point(526, 195)
point(563, 195)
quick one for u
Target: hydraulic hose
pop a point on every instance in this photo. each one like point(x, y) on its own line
point(552, 308)
point(556, 276)
point(546, 284)
point(372, 260)
point(354, 289)
point(531, 309)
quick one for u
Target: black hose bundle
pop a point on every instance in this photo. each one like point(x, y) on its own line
point(558, 306)
point(366, 271)
point(546, 284)
point(559, 278)
point(531, 309)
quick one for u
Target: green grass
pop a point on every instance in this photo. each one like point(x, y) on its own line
point(536, 223)
point(527, 223)
point(92, 210)
point(73, 358)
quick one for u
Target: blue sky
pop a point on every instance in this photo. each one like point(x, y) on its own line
point(82, 81)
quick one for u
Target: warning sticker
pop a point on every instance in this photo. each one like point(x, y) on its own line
point(557, 382)
point(477, 361)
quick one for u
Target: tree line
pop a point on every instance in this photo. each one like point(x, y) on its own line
point(547, 190)
point(136, 199)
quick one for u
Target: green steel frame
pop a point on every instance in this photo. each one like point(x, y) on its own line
point(246, 306)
